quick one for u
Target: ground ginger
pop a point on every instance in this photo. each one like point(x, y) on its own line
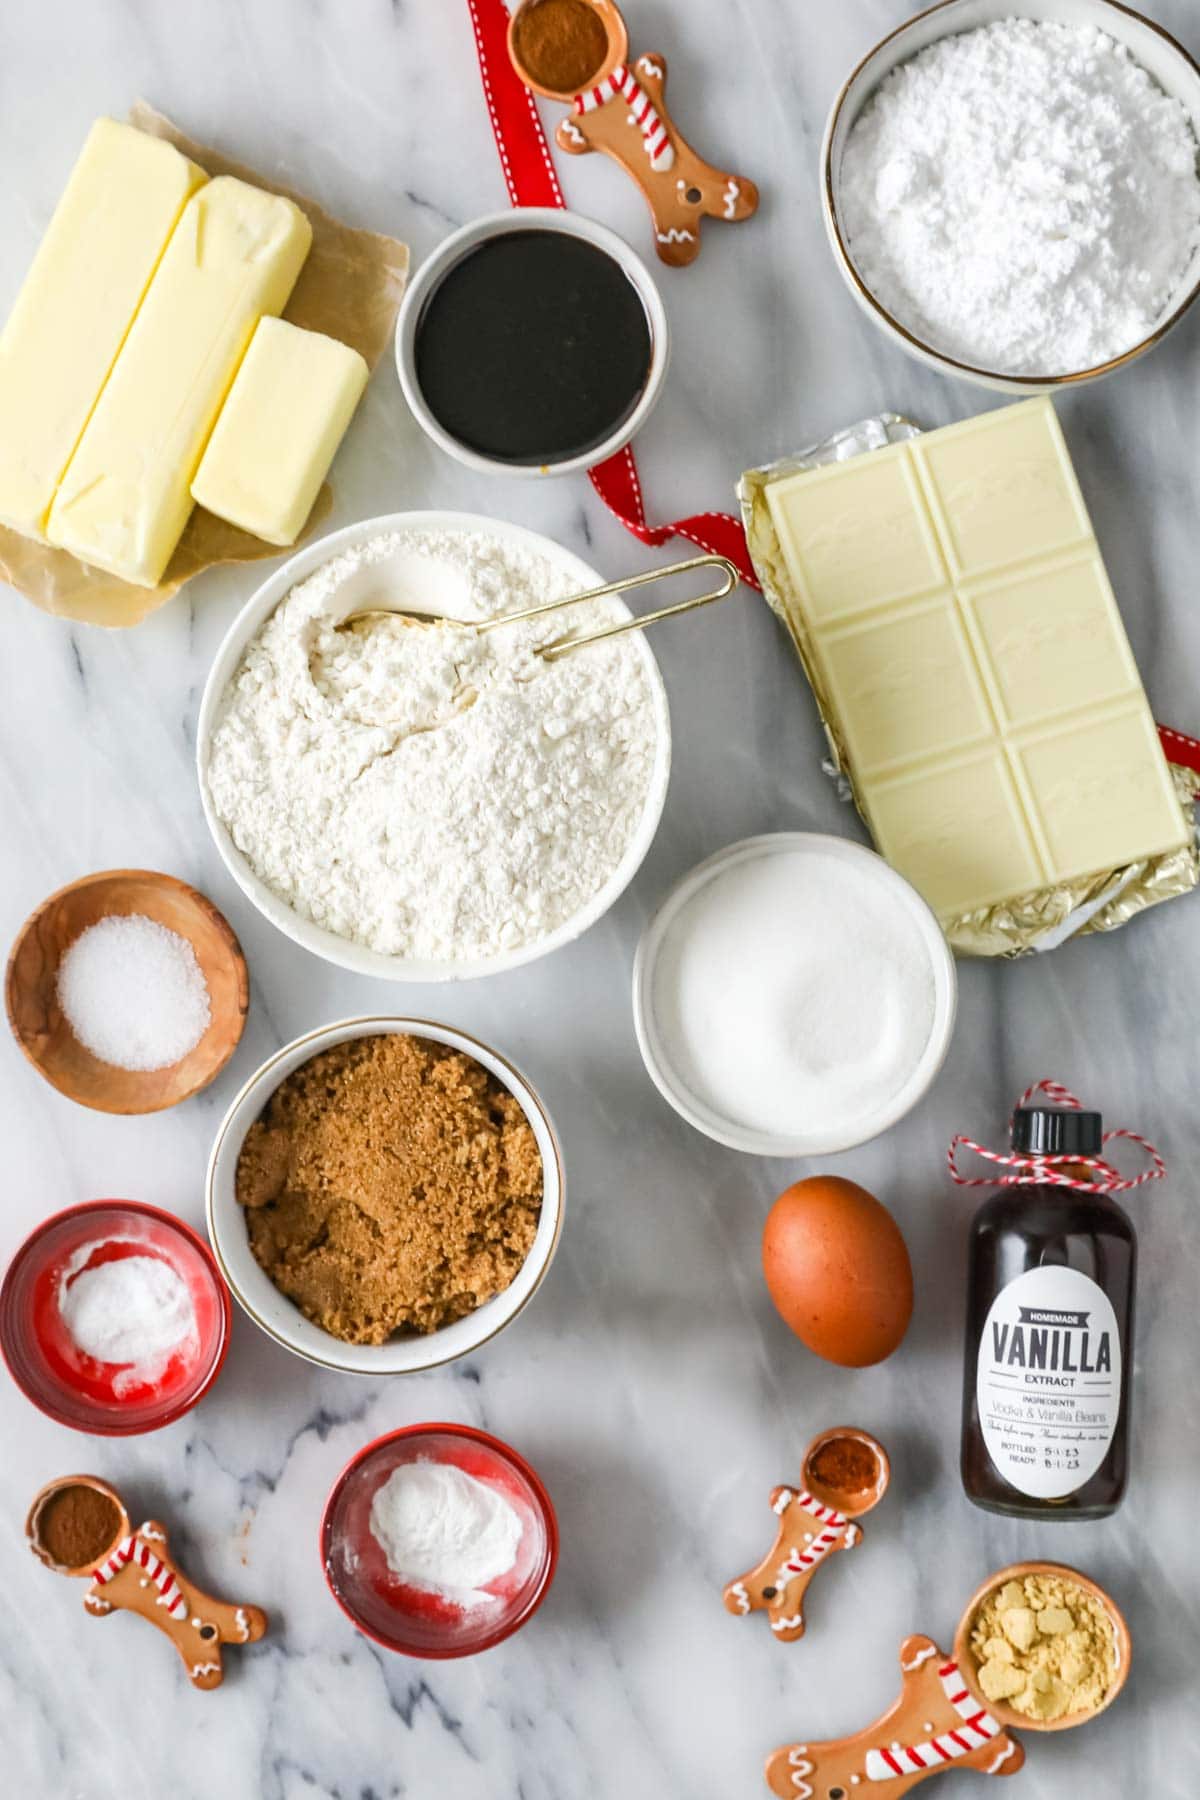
point(1045, 1646)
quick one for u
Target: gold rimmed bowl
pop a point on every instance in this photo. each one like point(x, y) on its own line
point(278, 1316)
point(1164, 59)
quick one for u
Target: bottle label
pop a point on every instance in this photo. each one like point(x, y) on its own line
point(1048, 1381)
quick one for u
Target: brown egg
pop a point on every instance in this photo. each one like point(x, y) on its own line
point(837, 1269)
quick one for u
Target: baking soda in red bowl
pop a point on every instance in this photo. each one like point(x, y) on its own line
point(113, 1318)
point(438, 1541)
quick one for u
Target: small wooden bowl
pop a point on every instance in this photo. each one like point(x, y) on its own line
point(618, 49)
point(36, 1018)
point(853, 1506)
point(1008, 1716)
point(56, 1487)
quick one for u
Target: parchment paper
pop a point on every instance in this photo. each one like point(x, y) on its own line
point(350, 288)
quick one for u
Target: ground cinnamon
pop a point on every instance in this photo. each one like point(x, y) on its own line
point(844, 1466)
point(559, 44)
point(76, 1526)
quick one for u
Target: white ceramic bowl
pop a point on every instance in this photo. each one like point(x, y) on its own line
point(1165, 59)
point(815, 1141)
point(278, 1317)
point(364, 590)
point(530, 218)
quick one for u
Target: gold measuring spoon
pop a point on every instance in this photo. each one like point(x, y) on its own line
point(730, 577)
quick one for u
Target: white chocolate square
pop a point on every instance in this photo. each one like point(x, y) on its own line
point(957, 832)
point(856, 535)
point(882, 674)
point(1002, 488)
point(1049, 640)
point(1099, 792)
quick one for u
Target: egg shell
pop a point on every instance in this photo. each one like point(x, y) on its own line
point(838, 1270)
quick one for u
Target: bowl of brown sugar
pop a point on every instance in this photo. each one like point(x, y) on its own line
point(385, 1195)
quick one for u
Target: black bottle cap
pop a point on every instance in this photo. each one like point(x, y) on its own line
point(1056, 1131)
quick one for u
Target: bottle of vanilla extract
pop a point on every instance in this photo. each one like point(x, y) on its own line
point(1045, 1425)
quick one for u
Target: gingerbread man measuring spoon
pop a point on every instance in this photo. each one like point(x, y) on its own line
point(79, 1526)
point(845, 1473)
point(936, 1723)
point(942, 1718)
point(577, 52)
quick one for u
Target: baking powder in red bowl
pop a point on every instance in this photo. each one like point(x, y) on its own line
point(412, 1615)
point(63, 1336)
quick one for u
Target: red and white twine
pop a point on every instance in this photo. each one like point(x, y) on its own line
point(1057, 1170)
point(133, 1550)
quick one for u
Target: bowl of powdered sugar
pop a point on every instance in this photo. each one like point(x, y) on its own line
point(423, 803)
point(1011, 188)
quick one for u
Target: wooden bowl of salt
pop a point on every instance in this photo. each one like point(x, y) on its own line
point(165, 962)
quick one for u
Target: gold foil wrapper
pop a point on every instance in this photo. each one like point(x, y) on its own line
point(1037, 921)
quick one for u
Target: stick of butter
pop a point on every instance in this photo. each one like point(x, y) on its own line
point(279, 430)
point(125, 498)
point(976, 668)
point(102, 246)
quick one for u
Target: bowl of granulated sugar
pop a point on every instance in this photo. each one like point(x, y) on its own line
point(793, 996)
point(127, 991)
point(1011, 188)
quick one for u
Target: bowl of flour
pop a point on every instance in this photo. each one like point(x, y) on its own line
point(1011, 188)
point(423, 803)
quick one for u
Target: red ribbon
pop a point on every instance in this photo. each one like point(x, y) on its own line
point(529, 172)
point(531, 179)
point(1056, 1171)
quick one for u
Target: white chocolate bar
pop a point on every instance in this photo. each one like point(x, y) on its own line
point(962, 621)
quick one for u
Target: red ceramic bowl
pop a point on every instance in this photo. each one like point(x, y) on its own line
point(413, 1620)
point(60, 1379)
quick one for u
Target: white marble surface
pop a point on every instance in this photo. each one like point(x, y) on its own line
point(650, 1382)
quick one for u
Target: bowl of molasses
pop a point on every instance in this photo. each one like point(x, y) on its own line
point(532, 342)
